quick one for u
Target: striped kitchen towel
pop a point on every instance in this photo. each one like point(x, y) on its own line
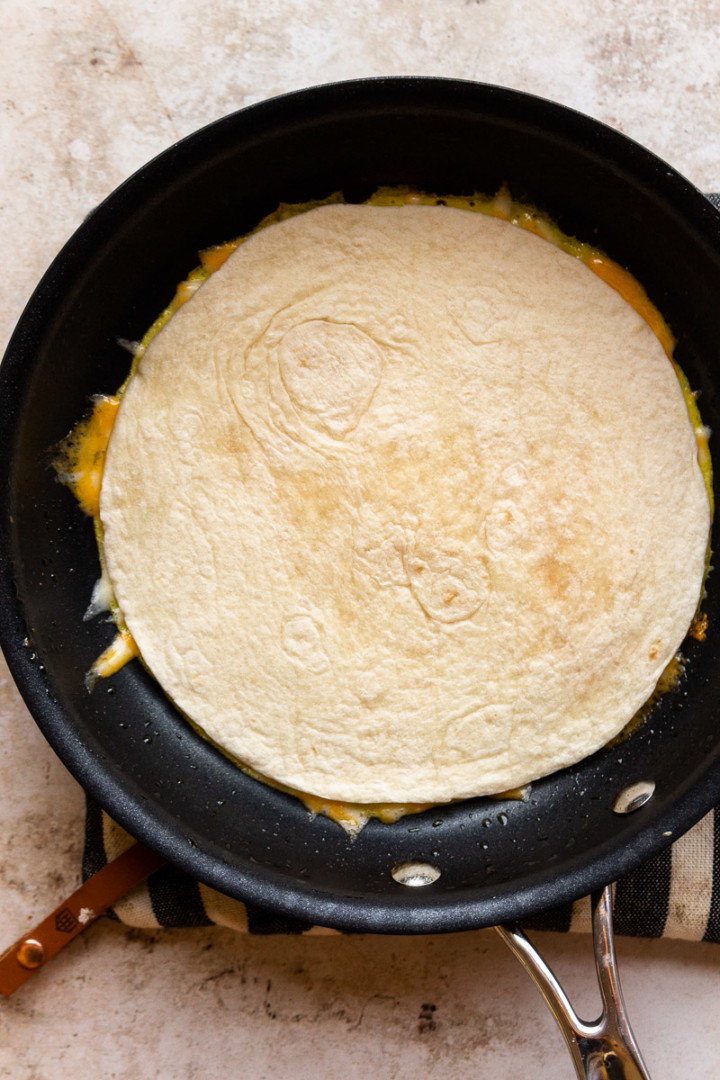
point(676, 894)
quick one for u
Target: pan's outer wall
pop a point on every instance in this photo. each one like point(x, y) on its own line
point(125, 743)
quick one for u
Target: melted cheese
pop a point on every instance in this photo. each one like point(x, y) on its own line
point(122, 649)
point(81, 459)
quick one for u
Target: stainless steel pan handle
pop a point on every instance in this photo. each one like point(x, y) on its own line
point(604, 1049)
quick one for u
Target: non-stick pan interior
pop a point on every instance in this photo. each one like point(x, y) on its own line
point(125, 742)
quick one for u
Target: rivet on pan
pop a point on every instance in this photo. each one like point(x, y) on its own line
point(415, 874)
point(633, 797)
point(30, 954)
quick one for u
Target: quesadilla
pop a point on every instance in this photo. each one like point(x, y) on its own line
point(405, 506)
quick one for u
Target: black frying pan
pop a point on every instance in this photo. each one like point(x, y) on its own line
point(125, 743)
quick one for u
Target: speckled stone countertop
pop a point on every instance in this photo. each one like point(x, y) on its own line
point(90, 91)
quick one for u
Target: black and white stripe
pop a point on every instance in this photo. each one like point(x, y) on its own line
point(675, 894)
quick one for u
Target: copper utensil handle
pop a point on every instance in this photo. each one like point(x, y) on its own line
point(602, 1049)
point(33, 950)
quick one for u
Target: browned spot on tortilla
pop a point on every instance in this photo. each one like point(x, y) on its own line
point(230, 442)
point(313, 498)
point(557, 575)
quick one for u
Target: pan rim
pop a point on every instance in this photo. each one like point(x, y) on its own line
point(435, 912)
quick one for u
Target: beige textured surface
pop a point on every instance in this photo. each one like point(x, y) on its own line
point(90, 91)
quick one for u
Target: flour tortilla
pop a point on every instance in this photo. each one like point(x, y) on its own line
point(404, 505)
